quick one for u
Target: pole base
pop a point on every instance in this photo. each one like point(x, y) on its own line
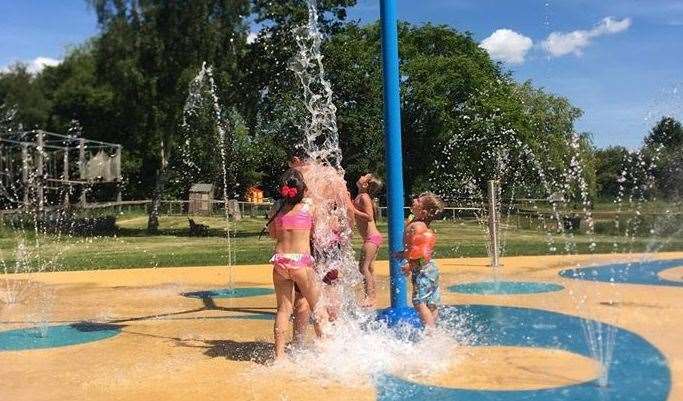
point(398, 316)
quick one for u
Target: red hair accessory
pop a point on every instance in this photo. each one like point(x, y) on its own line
point(288, 192)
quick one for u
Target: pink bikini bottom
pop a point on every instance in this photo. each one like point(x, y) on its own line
point(284, 263)
point(375, 239)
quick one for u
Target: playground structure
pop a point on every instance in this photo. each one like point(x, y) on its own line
point(40, 168)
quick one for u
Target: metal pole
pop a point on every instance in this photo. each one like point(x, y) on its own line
point(65, 177)
point(81, 168)
point(119, 178)
point(493, 223)
point(40, 171)
point(24, 173)
point(399, 311)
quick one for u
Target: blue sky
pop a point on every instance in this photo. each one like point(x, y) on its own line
point(624, 72)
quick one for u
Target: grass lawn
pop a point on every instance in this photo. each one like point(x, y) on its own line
point(133, 247)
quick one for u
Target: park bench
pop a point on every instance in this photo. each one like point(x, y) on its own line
point(198, 230)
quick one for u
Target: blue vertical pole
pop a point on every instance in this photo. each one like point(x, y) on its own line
point(399, 310)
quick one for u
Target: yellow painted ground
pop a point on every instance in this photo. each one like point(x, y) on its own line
point(178, 348)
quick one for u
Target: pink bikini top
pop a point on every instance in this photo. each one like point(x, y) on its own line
point(300, 220)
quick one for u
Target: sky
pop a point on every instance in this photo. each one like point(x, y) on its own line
point(620, 61)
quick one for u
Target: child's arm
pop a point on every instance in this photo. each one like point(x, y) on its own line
point(408, 234)
point(367, 212)
point(406, 268)
point(271, 226)
point(311, 239)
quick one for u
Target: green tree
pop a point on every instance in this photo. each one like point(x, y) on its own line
point(271, 95)
point(667, 132)
point(149, 51)
point(610, 165)
point(664, 146)
point(465, 121)
point(19, 89)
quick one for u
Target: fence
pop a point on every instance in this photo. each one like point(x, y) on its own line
point(177, 207)
point(518, 214)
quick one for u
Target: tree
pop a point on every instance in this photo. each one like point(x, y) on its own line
point(667, 132)
point(271, 104)
point(464, 119)
point(149, 51)
point(664, 146)
point(19, 89)
point(610, 165)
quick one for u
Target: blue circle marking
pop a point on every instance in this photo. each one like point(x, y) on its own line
point(639, 372)
point(242, 292)
point(55, 336)
point(505, 287)
point(627, 273)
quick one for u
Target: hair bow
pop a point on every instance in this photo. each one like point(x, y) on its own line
point(288, 192)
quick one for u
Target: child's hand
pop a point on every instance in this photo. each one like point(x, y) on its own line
point(406, 269)
point(398, 255)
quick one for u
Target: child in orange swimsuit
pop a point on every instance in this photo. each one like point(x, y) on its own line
point(291, 226)
point(366, 211)
point(419, 246)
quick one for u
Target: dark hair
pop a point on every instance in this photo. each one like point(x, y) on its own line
point(292, 181)
point(299, 152)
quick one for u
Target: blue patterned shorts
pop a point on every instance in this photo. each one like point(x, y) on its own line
point(426, 284)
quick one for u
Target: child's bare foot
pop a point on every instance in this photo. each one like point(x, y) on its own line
point(278, 359)
point(369, 302)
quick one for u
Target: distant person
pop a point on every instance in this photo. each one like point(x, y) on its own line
point(291, 225)
point(366, 212)
point(419, 245)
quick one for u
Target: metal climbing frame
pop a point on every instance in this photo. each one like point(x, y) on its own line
point(33, 162)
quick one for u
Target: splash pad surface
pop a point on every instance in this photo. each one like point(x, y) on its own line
point(242, 292)
point(38, 337)
point(175, 347)
point(649, 272)
point(505, 288)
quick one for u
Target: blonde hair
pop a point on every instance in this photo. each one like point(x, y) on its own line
point(374, 185)
point(432, 205)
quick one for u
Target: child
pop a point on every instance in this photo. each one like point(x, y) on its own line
point(291, 226)
point(366, 211)
point(326, 267)
point(419, 245)
point(327, 189)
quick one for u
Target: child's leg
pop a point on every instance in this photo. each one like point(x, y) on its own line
point(284, 294)
point(302, 314)
point(332, 296)
point(435, 313)
point(367, 269)
point(304, 279)
point(426, 315)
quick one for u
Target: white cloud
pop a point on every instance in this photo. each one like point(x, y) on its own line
point(251, 38)
point(562, 43)
point(36, 65)
point(507, 45)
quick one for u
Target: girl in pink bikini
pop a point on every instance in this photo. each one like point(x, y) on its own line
point(291, 226)
point(366, 212)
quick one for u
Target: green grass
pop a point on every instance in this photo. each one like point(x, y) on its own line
point(133, 247)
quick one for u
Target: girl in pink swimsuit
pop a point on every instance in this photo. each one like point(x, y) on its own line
point(366, 211)
point(291, 226)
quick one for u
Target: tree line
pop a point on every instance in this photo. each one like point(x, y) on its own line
point(465, 119)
